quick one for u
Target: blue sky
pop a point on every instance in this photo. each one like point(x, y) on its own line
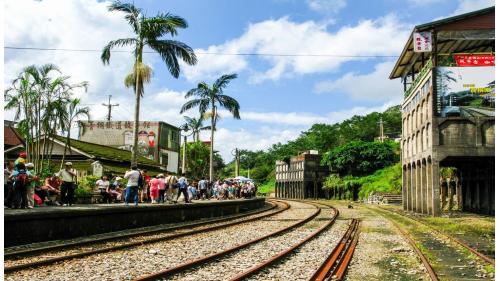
point(279, 96)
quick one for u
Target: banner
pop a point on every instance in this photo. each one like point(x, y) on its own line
point(422, 42)
point(465, 91)
point(475, 60)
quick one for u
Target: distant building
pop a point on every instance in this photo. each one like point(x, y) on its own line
point(11, 137)
point(158, 141)
point(301, 177)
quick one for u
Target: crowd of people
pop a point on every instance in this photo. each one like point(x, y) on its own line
point(140, 187)
point(24, 189)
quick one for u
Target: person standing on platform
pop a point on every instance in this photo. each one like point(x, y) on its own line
point(30, 189)
point(145, 187)
point(8, 184)
point(153, 189)
point(172, 185)
point(161, 188)
point(183, 186)
point(22, 157)
point(68, 175)
point(202, 186)
point(21, 181)
point(133, 177)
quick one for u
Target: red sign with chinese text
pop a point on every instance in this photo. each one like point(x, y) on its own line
point(475, 60)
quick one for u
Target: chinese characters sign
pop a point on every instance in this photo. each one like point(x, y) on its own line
point(475, 60)
point(422, 42)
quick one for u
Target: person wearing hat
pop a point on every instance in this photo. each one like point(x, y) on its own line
point(68, 176)
point(21, 158)
point(114, 189)
point(30, 189)
point(20, 176)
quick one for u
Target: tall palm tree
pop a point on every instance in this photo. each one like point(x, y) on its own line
point(208, 100)
point(195, 125)
point(73, 113)
point(149, 32)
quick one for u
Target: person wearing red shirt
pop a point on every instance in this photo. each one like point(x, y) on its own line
point(145, 187)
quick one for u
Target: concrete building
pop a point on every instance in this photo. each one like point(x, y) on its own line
point(301, 177)
point(447, 70)
point(158, 141)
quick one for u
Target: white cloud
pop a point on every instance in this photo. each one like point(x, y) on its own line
point(283, 36)
point(466, 6)
point(374, 86)
point(326, 6)
point(425, 2)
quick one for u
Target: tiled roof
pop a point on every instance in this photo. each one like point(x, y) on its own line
point(11, 136)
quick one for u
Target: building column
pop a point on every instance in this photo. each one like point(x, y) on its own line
point(404, 190)
point(428, 176)
point(419, 187)
point(423, 183)
point(436, 208)
point(414, 187)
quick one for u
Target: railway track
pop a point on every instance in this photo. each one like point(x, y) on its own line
point(454, 239)
point(31, 258)
point(337, 264)
point(441, 259)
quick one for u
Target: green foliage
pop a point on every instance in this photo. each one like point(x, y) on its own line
point(86, 186)
point(384, 180)
point(360, 158)
point(197, 159)
point(266, 188)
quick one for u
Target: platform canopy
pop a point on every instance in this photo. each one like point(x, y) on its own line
point(472, 32)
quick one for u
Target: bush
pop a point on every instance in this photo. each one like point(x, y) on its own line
point(85, 186)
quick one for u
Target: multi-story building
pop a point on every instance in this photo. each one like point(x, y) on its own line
point(158, 141)
point(301, 177)
point(447, 68)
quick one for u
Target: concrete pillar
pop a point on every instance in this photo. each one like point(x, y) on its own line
point(436, 208)
point(423, 183)
point(414, 187)
point(419, 187)
point(429, 186)
point(404, 188)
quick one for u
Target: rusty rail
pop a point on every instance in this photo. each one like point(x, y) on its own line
point(335, 265)
point(286, 252)
point(179, 268)
point(140, 243)
point(454, 239)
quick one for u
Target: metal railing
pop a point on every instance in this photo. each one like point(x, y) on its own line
point(427, 67)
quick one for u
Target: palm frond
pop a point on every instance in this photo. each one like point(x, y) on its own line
point(170, 50)
point(158, 26)
point(223, 81)
point(230, 104)
point(132, 13)
point(106, 51)
point(190, 104)
point(144, 72)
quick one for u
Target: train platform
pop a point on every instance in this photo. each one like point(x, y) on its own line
point(26, 226)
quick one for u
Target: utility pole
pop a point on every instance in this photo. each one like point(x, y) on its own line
point(109, 105)
point(381, 126)
point(236, 154)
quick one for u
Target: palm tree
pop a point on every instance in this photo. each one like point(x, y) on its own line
point(149, 31)
point(208, 99)
point(195, 125)
point(73, 113)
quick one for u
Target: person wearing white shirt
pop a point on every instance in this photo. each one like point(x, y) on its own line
point(133, 177)
point(68, 175)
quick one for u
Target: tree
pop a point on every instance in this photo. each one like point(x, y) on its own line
point(208, 99)
point(73, 113)
point(359, 158)
point(39, 98)
point(149, 32)
point(195, 125)
point(198, 154)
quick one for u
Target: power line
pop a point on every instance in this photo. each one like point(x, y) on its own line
point(209, 53)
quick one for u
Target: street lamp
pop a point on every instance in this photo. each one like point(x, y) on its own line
point(184, 128)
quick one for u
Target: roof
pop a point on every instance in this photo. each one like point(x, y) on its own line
point(484, 19)
point(11, 137)
point(106, 152)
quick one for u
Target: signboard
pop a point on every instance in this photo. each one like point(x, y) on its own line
point(119, 134)
point(422, 42)
point(474, 60)
point(465, 91)
point(97, 169)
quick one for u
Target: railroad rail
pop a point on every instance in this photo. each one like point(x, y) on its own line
point(335, 265)
point(22, 251)
point(200, 261)
point(278, 257)
point(454, 239)
point(130, 244)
